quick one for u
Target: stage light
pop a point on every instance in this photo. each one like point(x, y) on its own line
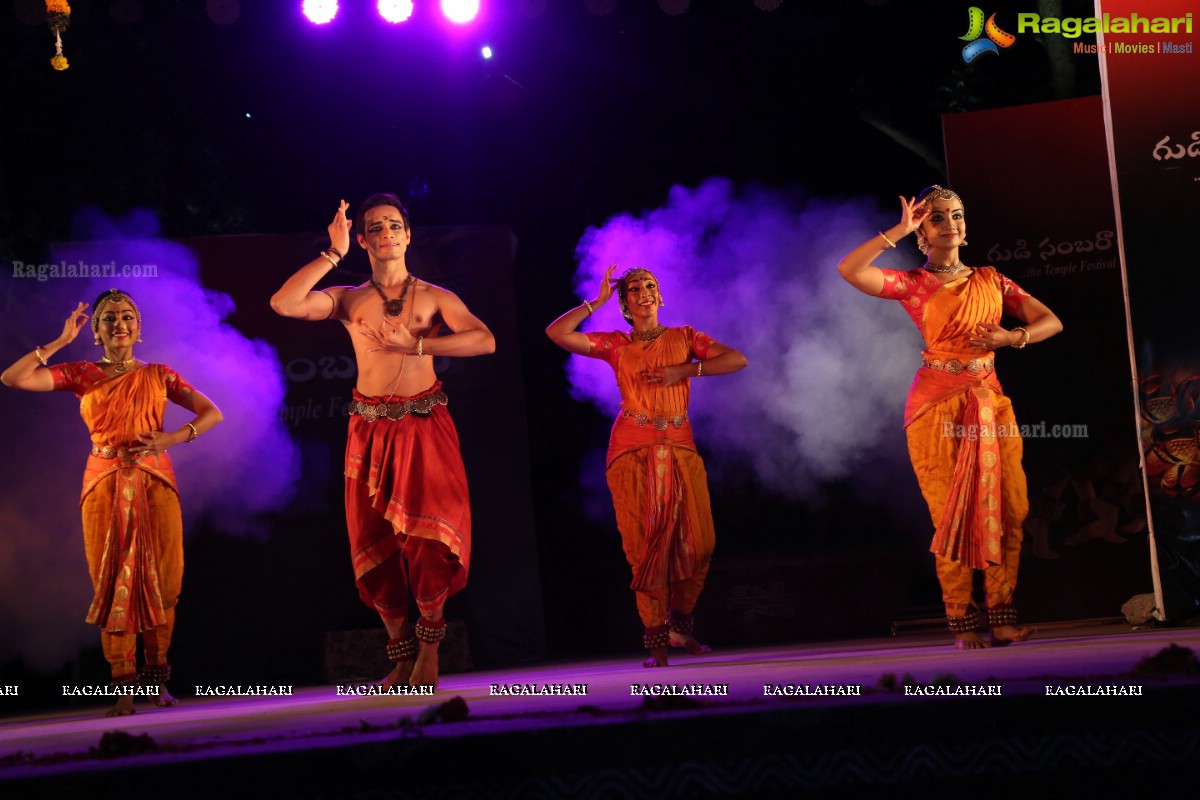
point(460, 12)
point(320, 11)
point(395, 10)
point(486, 52)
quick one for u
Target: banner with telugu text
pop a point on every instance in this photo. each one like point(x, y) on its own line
point(1151, 80)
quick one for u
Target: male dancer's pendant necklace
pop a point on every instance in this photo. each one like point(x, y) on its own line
point(393, 307)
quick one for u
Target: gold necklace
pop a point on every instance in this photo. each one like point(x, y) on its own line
point(119, 367)
point(647, 336)
point(947, 269)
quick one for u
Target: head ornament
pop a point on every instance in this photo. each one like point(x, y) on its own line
point(623, 284)
point(927, 196)
point(113, 296)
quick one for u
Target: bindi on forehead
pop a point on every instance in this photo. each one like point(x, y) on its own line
point(381, 214)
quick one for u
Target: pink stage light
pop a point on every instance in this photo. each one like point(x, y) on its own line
point(320, 11)
point(395, 10)
point(460, 12)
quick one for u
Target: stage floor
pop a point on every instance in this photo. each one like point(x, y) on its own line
point(1090, 667)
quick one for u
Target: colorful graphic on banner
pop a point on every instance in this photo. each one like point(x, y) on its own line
point(976, 27)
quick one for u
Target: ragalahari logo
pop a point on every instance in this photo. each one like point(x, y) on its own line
point(976, 27)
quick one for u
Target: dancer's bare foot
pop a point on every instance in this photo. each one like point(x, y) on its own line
point(399, 675)
point(425, 668)
point(165, 699)
point(123, 708)
point(688, 642)
point(1007, 634)
point(970, 641)
point(658, 658)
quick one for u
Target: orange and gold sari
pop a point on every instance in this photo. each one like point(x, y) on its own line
point(963, 438)
point(657, 479)
point(132, 527)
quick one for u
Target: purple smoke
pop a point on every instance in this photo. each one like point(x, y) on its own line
point(829, 368)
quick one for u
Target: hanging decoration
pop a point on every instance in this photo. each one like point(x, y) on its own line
point(58, 17)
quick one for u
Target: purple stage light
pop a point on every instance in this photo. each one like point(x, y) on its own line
point(486, 52)
point(395, 10)
point(460, 12)
point(320, 11)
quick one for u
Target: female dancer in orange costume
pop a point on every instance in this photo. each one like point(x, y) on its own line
point(132, 527)
point(962, 436)
point(657, 479)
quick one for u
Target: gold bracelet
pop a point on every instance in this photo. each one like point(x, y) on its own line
point(890, 243)
point(589, 308)
point(699, 368)
point(420, 347)
point(194, 433)
point(327, 257)
point(37, 351)
point(1024, 339)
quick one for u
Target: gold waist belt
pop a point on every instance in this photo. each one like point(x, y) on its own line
point(659, 423)
point(421, 406)
point(976, 366)
point(123, 453)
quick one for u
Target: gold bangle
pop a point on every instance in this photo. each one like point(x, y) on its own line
point(420, 347)
point(1024, 339)
point(194, 433)
point(890, 243)
point(699, 368)
point(37, 351)
point(589, 308)
point(327, 257)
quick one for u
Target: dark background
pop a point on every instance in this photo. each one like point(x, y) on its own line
point(260, 126)
point(578, 117)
